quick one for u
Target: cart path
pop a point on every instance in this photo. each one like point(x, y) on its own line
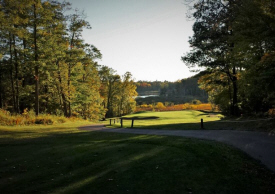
point(259, 145)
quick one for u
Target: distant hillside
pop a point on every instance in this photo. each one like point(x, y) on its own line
point(181, 91)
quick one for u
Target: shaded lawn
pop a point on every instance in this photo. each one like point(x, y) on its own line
point(67, 160)
point(191, 120)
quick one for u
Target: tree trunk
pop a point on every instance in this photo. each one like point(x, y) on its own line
point(64, 104)
point(11, 75)
point(69, 77)
point(16, 77)
point(36, 68)
point(69, 92)
point(62, 93)
point(1, 91)
point(231, 108)
point(235, 93)
point(109, 96)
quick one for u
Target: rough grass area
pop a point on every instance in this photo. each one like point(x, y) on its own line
point(63, 159)
point(29, 118)
point(191, 120)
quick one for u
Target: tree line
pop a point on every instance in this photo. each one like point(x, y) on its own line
point(46, 65)
point(178, 92)
point(234, 42)
point(185, 88)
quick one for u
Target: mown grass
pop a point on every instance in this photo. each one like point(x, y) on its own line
point(187, 119)
point(63, 159)
point(191, 120)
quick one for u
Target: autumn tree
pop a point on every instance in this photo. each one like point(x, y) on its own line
point(127, 94)
point(118, 93)
point(110, 83)
point(46, 65)
point(87, 100)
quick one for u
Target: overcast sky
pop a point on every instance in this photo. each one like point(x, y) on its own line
point(144, 37)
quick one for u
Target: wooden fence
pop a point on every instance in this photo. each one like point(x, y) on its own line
point(117, 120)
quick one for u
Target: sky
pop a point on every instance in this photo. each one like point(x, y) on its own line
point(144, 37)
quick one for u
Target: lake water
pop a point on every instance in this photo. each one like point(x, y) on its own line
point(146, 96)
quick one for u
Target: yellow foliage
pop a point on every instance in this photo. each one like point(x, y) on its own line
point(28, 118)
point(160, 107)
point(144, 106)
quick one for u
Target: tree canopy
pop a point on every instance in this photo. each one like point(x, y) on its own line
point(45, 64)
point(234, 41)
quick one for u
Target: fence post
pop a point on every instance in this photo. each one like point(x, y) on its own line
point(121, 122)
point(132, 126)
point(110, 121)
point(202, 124)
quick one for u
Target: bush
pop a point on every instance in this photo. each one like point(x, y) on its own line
point(45, 121)
point(160, 106)
point(61, 120)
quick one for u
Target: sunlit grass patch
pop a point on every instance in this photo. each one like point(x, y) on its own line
point(191, 120)
point(187, 119)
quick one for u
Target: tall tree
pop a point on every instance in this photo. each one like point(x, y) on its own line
point(87, 100)
point(110, 83)
point(255, 44)
point(45, 64)
point(13, 21)
point(76, 25)
point(36, 7)
point(212, 44)
point(55, 46)
point(127, 94)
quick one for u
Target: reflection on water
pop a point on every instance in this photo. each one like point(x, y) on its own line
point(146, 96)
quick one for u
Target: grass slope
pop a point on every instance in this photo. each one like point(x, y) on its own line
point(63, 159)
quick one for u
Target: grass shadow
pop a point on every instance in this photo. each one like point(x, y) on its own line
point(100, 162)
point(264, 126)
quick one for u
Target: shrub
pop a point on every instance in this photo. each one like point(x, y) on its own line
point(160, 106)
point(61, 120)
point(43, 120)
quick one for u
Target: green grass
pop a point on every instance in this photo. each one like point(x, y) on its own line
point(188, 119)
point(191, 120)
point(63, 159)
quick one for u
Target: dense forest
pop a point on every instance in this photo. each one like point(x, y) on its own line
point(46, 66)
point(179, 92)
point(235, 42)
